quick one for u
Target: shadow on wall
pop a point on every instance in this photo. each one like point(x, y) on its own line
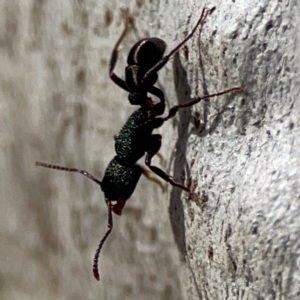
point(176, 210)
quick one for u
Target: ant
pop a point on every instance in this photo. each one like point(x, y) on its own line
point(135, 139)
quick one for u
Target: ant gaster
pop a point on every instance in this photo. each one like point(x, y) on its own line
point(135, 139)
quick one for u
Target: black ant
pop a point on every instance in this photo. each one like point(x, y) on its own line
point(135, 139)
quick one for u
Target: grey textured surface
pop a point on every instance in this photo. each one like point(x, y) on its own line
point(235, 237)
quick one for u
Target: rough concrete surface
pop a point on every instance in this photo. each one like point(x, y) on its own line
point(236, 236)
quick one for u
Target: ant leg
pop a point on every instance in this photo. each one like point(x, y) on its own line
point(166, 58)
point(97, 253)
point(85, 173)
point(159, 108)
point(149, 176)
point(157, 92)
point(114, 56)
point(174, 109)
point(154, 146)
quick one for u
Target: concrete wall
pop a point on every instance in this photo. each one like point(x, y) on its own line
point(235, 237)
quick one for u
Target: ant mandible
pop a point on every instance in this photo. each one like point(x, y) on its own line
point(135, 139)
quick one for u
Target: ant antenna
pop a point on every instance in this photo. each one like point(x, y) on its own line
point(97, 253)
point(60, 168)
point(110, 206)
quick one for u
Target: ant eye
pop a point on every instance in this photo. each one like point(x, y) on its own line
point(113, 202)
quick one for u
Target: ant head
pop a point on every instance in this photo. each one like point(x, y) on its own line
point(116, 206)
